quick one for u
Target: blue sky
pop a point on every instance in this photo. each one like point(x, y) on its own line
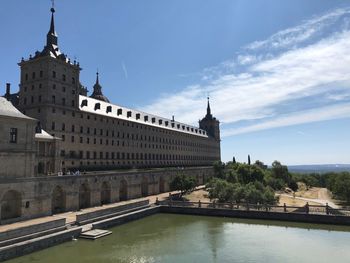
point(278, 72)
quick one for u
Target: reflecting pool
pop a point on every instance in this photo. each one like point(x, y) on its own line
point(182, 238)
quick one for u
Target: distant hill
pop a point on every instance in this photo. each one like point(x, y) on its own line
point(319, 168)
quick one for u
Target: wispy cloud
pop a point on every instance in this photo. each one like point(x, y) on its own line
point(125, 70)
point(296, 76)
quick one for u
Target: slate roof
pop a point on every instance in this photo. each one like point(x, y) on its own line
point(8, 110)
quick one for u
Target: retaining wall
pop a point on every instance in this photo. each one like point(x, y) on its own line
point(122, 219)
point(26, 247)
point(294, 217)
point(28, 230)
point(108, 211)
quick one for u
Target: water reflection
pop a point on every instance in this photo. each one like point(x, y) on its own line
point(180, 238)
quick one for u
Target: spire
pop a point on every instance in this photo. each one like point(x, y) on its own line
point(51, 38)
point(208, 108)
point(97, 93)
point(97, 81)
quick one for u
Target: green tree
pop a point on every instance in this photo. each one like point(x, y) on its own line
point(182, 183)
point(219, 169)
point(342, 186)
point(280, 171)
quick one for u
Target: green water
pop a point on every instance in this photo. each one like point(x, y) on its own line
point(180, 238)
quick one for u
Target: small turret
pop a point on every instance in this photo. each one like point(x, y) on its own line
point(97, 93)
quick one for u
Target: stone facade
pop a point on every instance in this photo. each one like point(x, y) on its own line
point(42, 196)
point(61, 129)
point(17, 144)
point(97, 134)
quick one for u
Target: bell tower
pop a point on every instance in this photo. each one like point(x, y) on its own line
point(210, 124)
point(49, 82)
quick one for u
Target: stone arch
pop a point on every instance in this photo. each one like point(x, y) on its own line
point(58, 200)
point(84, 196)
point(144, 186)
point(11, 205)
point(105, 193)
point(161, 184)
point(123, 190)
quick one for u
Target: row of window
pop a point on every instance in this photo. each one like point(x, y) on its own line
point(140, 145)
point(127, 123)
point(53, 75)
point(146, 118)
point(143, 163)
point(132, 136)
point(53, 100)
point(133, 156)
point(53, 87)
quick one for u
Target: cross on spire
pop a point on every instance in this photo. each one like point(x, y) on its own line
point(208, 107)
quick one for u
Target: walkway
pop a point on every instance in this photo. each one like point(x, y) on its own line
point(315, 200)
point(71, 216)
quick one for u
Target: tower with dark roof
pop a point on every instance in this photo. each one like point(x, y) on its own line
point(49, 81)
point(97, 93)
point(210, 124)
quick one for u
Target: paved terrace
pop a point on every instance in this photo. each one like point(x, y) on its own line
point(71, 216)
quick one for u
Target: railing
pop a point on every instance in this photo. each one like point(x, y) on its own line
point(307, 209)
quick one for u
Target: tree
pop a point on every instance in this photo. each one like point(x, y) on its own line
point(182, 183)
point(280, 171)
point(342, 186)
point(248, 159)
point(260, 164)
point(233, 160)
point(219, 169)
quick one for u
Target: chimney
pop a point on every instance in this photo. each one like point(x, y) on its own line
point(173, 119)
point(8, 91)
point(38, 128)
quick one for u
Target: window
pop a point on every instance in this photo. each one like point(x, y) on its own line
point(73, 103)
point(32, 99)
point(13, 135)
point(54, 74)
point(73, 80)
point(33, 75)
point(64, 77)
point(63, 137)
point(63, 101)
point(53, 99)
point(63, 126)
point(73, 128)
point(26, 77)
point(72, 139)
point(81, 139)
point(53, 126)
point(41, 73)
point(64, 89)
point(39, 98)
point(25, 101)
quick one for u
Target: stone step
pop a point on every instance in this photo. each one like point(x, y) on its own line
point(95, 233)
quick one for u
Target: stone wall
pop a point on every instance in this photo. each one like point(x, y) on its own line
point(261, 215)
point(42, 196)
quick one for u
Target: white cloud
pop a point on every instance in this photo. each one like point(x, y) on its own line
point(302, 32)
point(273, 90)
point(321, 114)
point(125, 70)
